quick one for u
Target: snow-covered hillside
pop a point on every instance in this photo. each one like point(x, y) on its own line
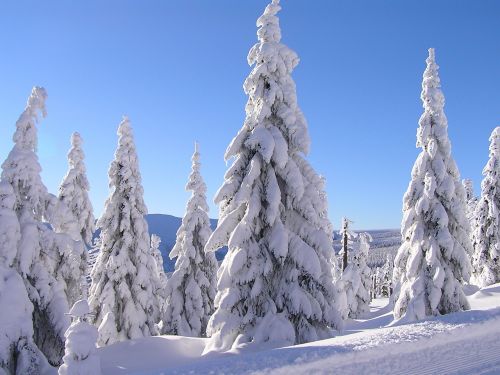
point(458, 343)
point(385, 241)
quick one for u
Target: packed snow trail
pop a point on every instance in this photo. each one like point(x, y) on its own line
point(467, 350)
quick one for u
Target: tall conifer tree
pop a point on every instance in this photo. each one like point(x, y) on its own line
point(191, 288)
point(275, 284)
point(486, 233)
point(122, 291)
point(432, 262)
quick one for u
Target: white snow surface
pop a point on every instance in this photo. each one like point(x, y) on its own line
point(458, 343)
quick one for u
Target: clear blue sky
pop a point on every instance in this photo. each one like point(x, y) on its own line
point(176, 68)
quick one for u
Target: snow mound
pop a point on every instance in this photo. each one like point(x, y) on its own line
point(80, 308)
point(151, 355)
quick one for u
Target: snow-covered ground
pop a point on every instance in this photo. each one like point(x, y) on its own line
point(460, 343)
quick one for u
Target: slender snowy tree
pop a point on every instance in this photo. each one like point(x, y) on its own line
point(377, 278)
point(486, 231)
point(18, 352)
point(68, 242)
point(340, 296)
point(45, 253)
point(74, 190)
point(275, 284)
point(361, 257)
point(122, 296)
point(470, 200)
point(347, 237)
point(386, 277)
point(432, 262)
point(357, 278)
point(81, 337)
point(191, 288)
point(155, 251)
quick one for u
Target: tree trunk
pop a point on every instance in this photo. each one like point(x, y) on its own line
point(344, 259)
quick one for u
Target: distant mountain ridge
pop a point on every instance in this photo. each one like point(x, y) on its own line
point(166, 226)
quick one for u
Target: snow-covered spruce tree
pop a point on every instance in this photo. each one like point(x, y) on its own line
point(191, 288)
point(470, 200)
point(357, 278)
point(432, 262)
point(18, 352)
point(386, 277)
point(66, 239)
point(122, 293)
point(486, 231)
point(81, 337)
point(360, 257)
point(340, 296)
point(347, 237)
point(160, 271)
point(275, 284)
point(74, 189)
point(377, 278)
point(44, 252)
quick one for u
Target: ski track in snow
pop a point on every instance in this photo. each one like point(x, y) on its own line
point(459, 343)
point(466, 350)
point(433, 348)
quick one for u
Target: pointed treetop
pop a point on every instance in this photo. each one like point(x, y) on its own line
point(431, 83)
point(432, 56)
point(346, 222)
point(195, 182)
point(124, 126)
point(433, 123)
point(269, 26)
point(76, 139)
point(196, 155)
point(76, 155)
point(125, 135)
point(25, 135)
point(495, 141)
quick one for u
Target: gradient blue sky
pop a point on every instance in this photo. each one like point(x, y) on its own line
point(176, 68)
